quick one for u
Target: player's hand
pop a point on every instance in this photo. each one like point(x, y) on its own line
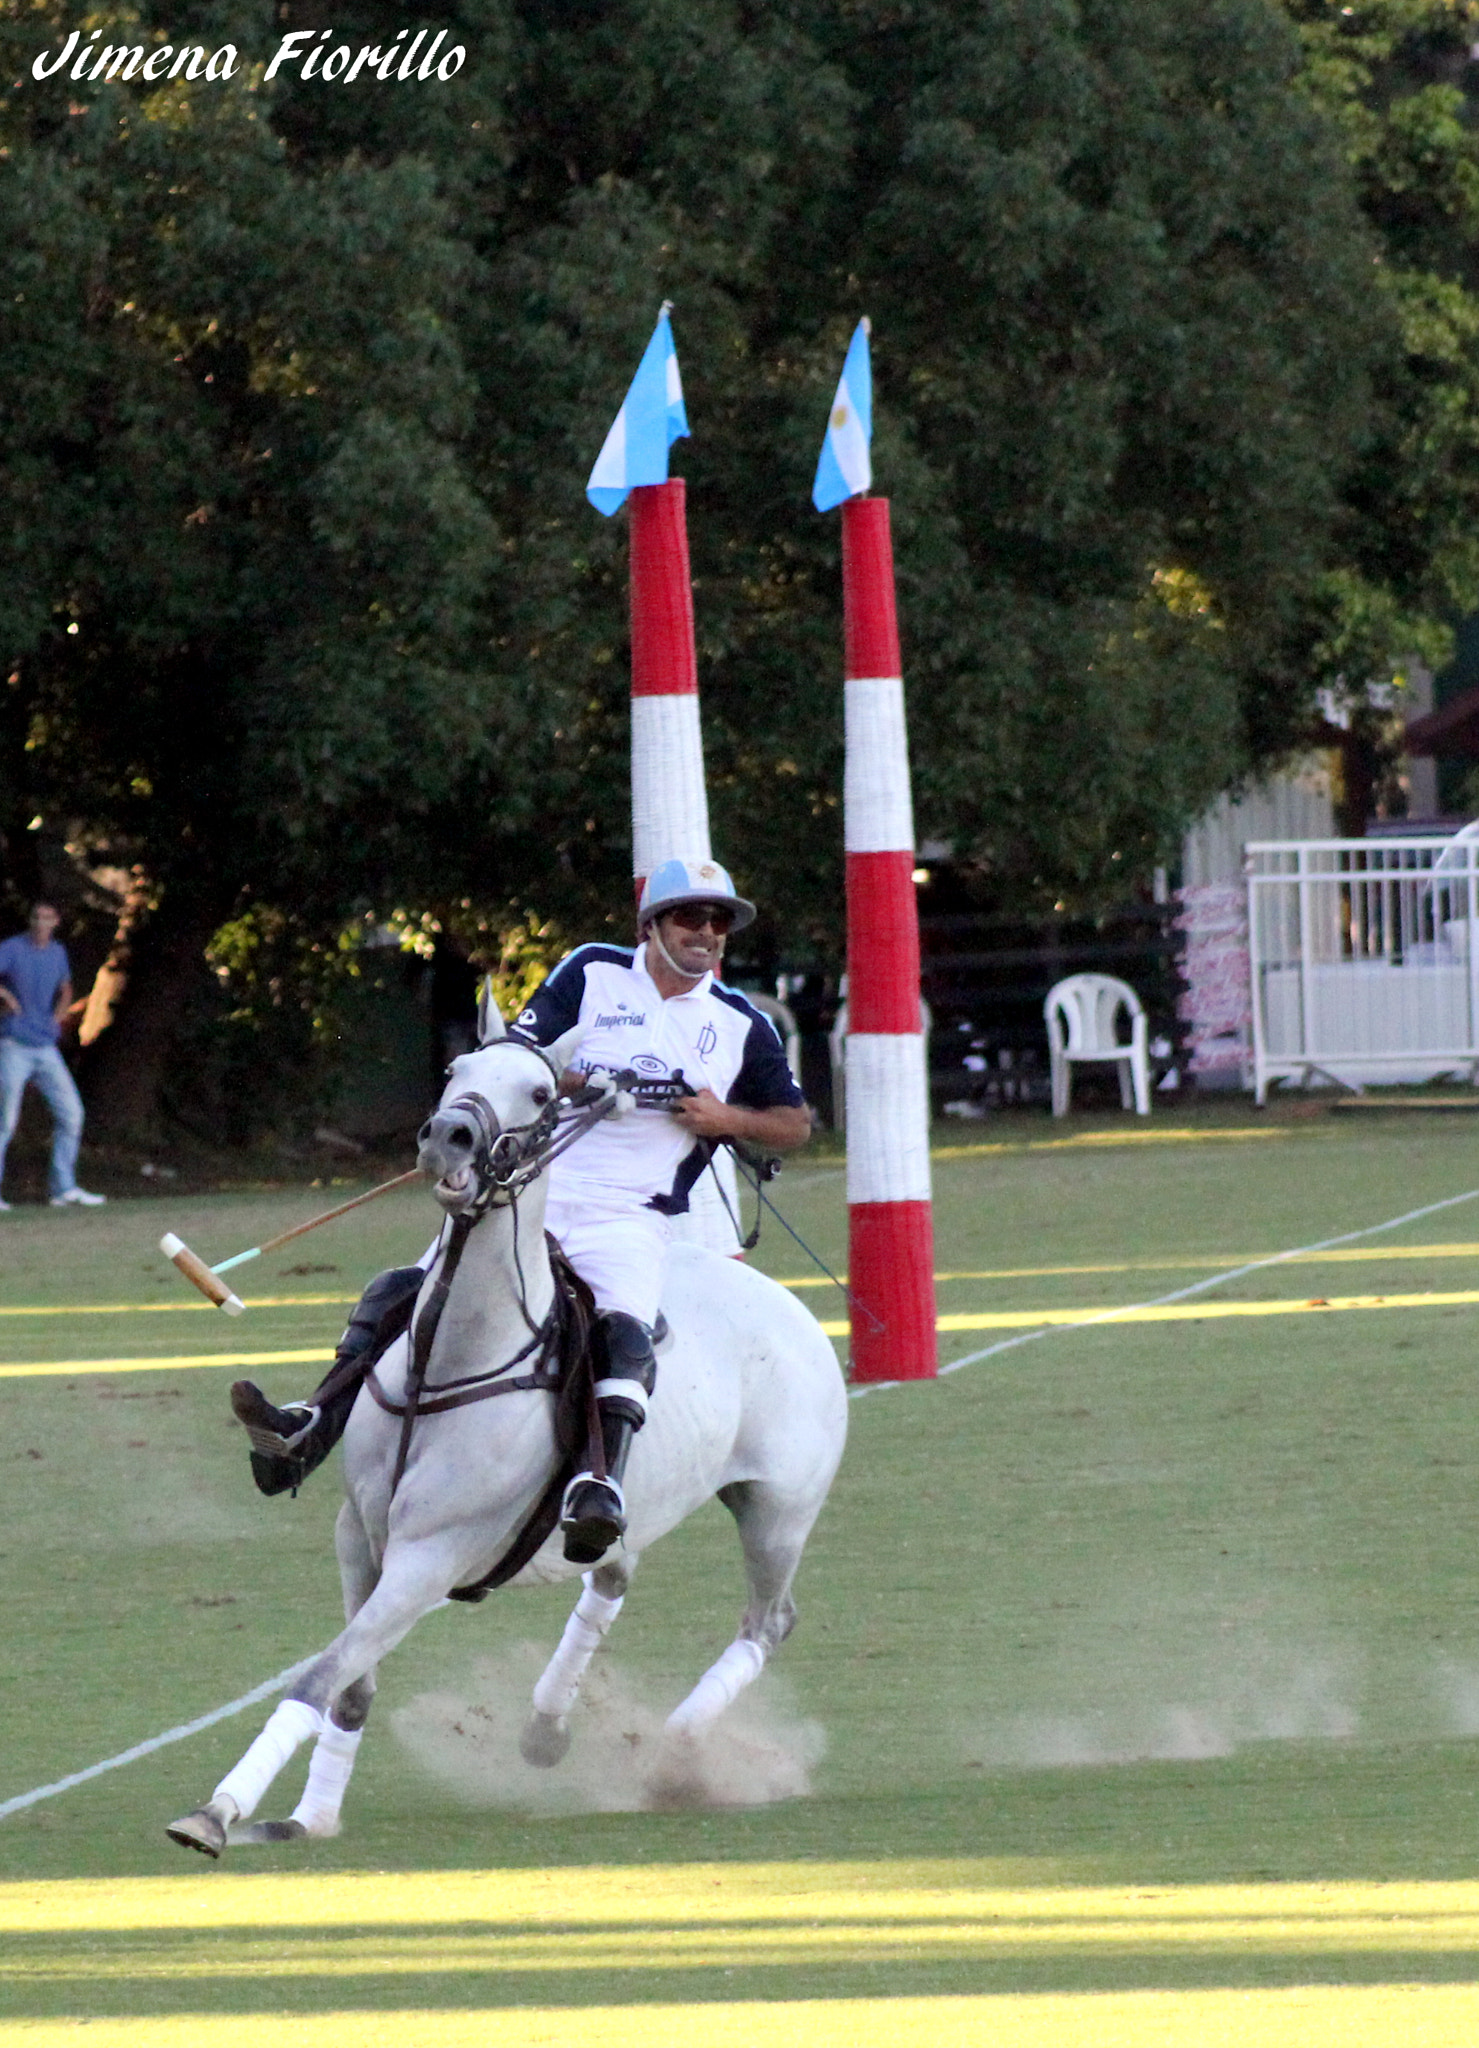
point(704, 1114)
point(591, 1088)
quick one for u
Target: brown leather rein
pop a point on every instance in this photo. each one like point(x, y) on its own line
point(507, 1162)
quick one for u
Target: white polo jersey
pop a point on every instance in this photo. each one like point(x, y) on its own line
point(710, 1036)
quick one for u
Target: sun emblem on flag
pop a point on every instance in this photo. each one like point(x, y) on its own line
point(839, 416)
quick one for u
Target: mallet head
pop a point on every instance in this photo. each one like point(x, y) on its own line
point(199, 1274)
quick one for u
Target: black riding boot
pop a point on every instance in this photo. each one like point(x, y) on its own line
point(289, 1443)
point(594, 1515)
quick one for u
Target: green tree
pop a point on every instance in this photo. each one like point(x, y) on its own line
point(240, 586)
point(304, 384)
point(1397, 82)
point(1123, 336)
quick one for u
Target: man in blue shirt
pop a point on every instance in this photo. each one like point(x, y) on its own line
point(35, 990)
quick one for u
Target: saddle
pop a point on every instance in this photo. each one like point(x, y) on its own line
point(565, 1365)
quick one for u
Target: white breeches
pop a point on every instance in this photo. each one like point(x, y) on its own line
point(620, 1253)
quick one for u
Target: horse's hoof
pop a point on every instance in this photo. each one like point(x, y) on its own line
point(257, 1831)
point(202, 1830)
point(544, 1740)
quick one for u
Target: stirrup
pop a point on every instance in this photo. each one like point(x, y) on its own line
point(593, 1516)
point(274, 1432)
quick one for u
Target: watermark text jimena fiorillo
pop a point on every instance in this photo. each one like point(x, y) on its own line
point(313, 52)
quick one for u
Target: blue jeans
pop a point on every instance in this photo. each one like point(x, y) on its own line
point(43, 1065)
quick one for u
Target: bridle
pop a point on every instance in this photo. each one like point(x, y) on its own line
point(504, 1163)
point(506, 1160)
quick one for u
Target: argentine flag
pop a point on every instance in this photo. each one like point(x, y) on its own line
point(650, 421)
point(846, 467)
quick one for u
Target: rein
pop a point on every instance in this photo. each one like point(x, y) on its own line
point(505, 1163)
point(421, 1342)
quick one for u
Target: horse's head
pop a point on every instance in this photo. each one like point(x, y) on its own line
point(490, 1134)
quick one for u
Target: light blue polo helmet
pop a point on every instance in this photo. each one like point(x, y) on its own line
point(691, 881)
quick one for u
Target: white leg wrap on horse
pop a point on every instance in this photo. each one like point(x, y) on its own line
point(288, 1728)
point(329, 1771)
point(722, 1684)
point(559, 1683)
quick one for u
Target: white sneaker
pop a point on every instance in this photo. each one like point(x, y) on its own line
point(5, 1207)
point(78, 1198)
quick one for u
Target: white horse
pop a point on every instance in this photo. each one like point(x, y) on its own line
point(750, 1406)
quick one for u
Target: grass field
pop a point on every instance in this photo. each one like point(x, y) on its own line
point(1145, 1653)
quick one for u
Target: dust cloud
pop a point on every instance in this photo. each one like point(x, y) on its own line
point(1456, 1696)
point(620, 1759)
point(1310, 1702)
point(1187, 1703)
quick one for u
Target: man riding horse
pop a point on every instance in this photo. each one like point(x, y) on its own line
point(659, 1013)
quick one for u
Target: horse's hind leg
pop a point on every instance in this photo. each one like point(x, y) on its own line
point(773, 1529)
point(546, 1734)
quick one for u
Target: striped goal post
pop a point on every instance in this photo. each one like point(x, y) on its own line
point(670, 804)
point(890, 1221)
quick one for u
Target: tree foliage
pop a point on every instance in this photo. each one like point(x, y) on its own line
point(301, 603)
point(1395, 80)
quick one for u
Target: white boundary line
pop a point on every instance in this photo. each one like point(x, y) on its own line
point(1179, 1293)
point(285, 1678)
point(128, 1756)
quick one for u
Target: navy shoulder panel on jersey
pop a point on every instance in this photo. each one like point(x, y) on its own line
point(738, 1000)
point(555, 1005)
point(764, 1080)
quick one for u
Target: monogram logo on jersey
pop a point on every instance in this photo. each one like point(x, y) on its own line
point(708, 1038)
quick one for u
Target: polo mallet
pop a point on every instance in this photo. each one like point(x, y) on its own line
point(207, 1279)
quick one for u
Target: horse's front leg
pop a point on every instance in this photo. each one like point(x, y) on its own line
point(414, 1578)
point(332, 1763)
point(546, 1734)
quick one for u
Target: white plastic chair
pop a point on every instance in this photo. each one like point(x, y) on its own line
point(1083, 1024)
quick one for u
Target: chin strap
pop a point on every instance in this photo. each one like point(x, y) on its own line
point(682, 972)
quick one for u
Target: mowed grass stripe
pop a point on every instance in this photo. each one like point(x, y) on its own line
point(1348, 1254)
point(848, 1898)
point(272, 1928)
point(46, 1368)
point(1200, 1310)
point(1208, 1263)
point(1417, 2015)
point(1099, 1141)
point(150, 1308)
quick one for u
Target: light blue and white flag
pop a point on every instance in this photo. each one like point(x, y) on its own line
point(846, 466)
point(650, 421)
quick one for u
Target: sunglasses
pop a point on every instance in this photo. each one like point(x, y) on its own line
point(692, 917)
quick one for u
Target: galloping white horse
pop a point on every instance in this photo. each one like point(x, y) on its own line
point(750, 1406)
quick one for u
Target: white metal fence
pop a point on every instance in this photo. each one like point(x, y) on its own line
point(1364, 957)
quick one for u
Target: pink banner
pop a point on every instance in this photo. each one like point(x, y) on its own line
point(1217, 1002)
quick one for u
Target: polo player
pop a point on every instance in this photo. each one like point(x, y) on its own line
point(659, 1012)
